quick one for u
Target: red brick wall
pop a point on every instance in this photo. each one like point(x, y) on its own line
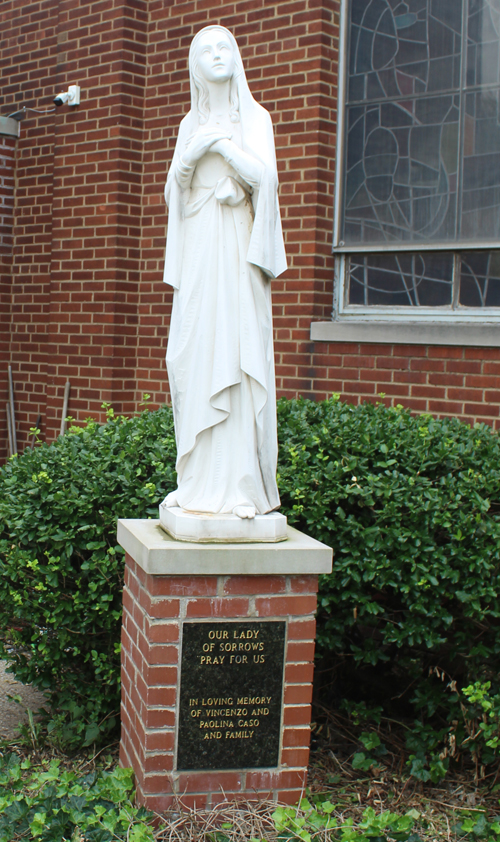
point(29, 57)
point(85, 292)
point(77, 204)
point(443, 381)
point(96, 221)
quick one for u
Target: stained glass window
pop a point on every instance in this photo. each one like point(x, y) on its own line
point(480, 279)
point(422, 153)
point(404, 280)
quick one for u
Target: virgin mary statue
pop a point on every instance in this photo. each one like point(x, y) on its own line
point(224, 244)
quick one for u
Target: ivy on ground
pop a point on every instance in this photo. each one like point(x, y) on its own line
point(53, 805)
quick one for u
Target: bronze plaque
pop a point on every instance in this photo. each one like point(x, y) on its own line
point(231, 695)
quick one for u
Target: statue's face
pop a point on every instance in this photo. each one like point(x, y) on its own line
point(215, 56)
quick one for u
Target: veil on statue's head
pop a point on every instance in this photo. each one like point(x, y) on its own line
point(244, 107)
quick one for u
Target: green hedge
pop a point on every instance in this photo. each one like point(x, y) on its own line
point(61, 570)
point(409, 617)
point(410, 505)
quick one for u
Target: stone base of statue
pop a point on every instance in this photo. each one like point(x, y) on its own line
point(201, 528)
point(217, 666)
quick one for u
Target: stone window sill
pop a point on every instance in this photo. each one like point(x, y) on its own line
point(409, 333)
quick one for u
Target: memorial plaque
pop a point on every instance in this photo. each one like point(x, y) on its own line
point(231, 695)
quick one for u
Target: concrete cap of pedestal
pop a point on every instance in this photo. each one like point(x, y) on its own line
point(159, 554)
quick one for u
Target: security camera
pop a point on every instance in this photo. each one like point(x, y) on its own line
point(61, 98)
point(71, 96)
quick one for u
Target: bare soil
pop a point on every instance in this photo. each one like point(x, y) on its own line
point(13, 713)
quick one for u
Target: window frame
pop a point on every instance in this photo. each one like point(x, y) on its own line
point(352, 312)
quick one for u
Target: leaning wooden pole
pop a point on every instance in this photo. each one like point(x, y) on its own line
point(9, 429)
point(65, 407)
point(12, 413)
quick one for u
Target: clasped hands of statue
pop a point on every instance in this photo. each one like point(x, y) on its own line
point(207, 139)
point(211, 138)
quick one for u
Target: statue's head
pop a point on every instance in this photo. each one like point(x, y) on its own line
point(214, 58)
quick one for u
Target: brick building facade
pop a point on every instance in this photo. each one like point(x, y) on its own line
point(83, 220)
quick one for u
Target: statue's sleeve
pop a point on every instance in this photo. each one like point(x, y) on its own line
point(173, 198)
point(266, 248)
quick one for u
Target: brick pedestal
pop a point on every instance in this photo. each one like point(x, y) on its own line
point(232, 582)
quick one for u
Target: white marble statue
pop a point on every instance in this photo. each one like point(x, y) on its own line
point(224, 245)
